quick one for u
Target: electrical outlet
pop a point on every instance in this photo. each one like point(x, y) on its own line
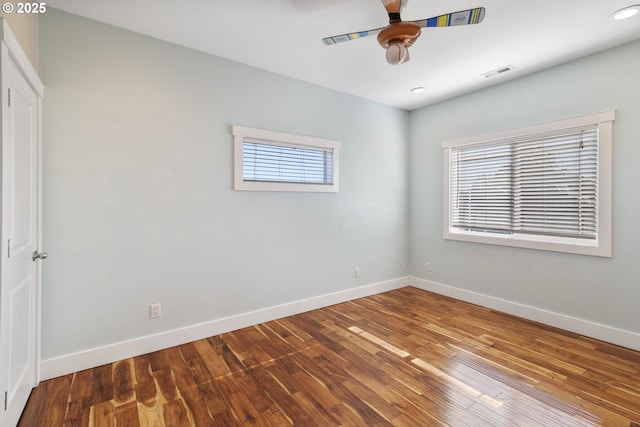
point(154, 311)
point(400, 265)
point(356, 272)
point(429, 267)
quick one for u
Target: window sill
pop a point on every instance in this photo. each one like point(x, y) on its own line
point(573, 246)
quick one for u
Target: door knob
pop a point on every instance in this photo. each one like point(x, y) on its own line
point(39, 255)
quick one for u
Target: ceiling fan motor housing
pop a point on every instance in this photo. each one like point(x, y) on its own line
point(404, 33)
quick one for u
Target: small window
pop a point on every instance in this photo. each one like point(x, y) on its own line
point(274, 161)
point(541, 187)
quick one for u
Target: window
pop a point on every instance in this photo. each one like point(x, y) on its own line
point(542, 187)
point(274, 161)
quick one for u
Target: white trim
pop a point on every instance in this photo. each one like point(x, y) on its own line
point(20, 58)
point(280, 137)
point(75, 362)
point(605, 187)
point(584, 327)
point(40, 246)
point(572, 122)
point(285, 139)
point(86, 359)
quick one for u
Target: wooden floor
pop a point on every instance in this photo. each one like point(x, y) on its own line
point(401, 358)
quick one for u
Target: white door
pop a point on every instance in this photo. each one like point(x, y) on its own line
point(20, 238)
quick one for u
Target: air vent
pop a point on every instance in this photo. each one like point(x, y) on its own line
point(500, 70)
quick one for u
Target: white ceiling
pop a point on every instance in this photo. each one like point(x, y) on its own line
point(284, 36)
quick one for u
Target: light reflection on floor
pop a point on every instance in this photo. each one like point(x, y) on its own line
point(529, 399)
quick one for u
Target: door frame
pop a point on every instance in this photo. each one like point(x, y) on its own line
point(10, 45)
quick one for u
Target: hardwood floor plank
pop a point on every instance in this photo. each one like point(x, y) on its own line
point(401, 358)
point(300, 333)
point(275, 344)
point(245, 345)
point(102, 415)
point(176, 415)
point(229, 358)
point(78, 413)
point(316, 399)
point(283, 398)
point(213, 398)
point(127, 415)
point(269, 412)
point(47, 404)
point(151, 413)
point(194, 364)
point(368, 395)
point(368, 415)
point(81, 385)
point(240, 404)
point(102, 384)
point(316, 411)
point(196, 407)
point(122, 382)
point(146, 392)
point(142, 369)
point(284, 373)
point(214, 362)
point(165, 381)
point(287, 336)
point(320, 367)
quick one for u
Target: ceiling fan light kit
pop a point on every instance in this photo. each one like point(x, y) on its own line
point(397, 38)
point(399, 35)
point(397, 54)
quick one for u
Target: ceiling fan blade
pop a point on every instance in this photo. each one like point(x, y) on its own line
point(350, 36)
point(463, 17)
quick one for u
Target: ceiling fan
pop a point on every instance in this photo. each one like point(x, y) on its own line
point(399, 35)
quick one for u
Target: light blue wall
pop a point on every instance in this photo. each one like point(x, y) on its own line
point(138, 199)
point(600, 290)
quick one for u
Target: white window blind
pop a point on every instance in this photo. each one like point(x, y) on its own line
point(545, 186)
point(481, 185)
point(268, 162)
point(556, 185)
point(274, 161)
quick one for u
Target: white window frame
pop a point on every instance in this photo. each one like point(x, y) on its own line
point(242, 133)
point(601, 246)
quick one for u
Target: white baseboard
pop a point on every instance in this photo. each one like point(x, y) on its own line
point(74, 362)
point(587, 328)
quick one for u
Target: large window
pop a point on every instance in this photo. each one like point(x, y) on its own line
point(274, 161)
point(543, 187)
